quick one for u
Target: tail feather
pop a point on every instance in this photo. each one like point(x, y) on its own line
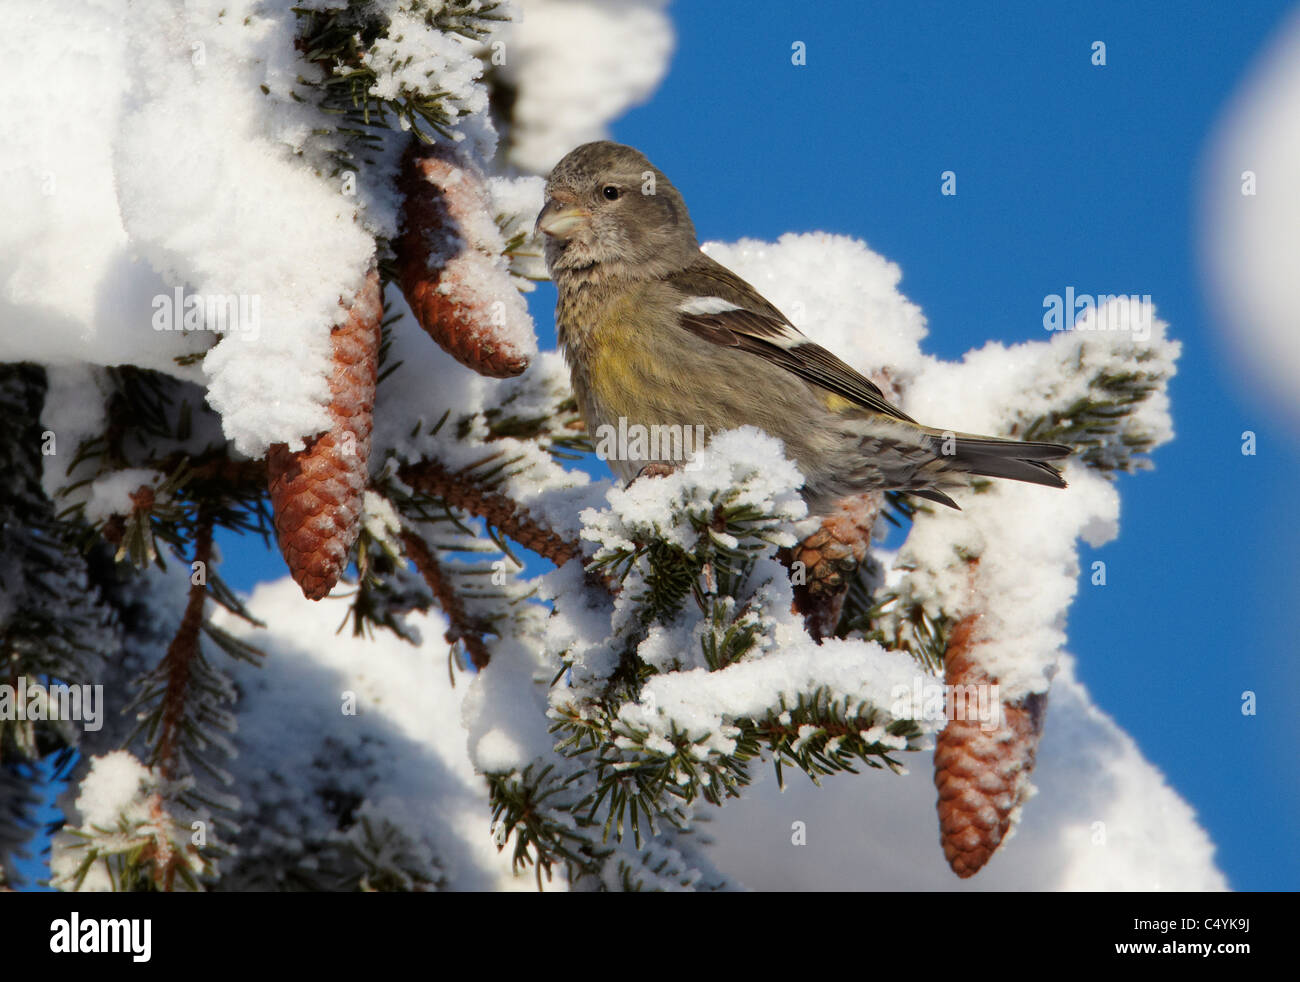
point(1012, 468)
point(1012, 459)
point(993, 446)
point(933, 494)
point(924, 470)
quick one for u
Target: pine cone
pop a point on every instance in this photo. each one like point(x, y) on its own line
point(450, 267)
point(982, 775)
point(830, 556)
point(316, 492)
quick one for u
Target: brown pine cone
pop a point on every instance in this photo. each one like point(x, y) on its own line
point(316, 493)
point(982, 774)
point(830, 556)
point(450, 268)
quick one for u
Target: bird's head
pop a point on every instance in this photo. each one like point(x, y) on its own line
point(608, 206)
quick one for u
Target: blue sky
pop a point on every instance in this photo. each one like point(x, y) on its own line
point(1068, 175)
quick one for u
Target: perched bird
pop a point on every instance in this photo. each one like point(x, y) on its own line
point(657, 334)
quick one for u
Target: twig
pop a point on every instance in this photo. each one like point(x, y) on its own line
point(459, 625)
point(460, 490)
point(182, 651)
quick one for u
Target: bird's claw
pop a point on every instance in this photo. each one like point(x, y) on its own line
point(652, 470)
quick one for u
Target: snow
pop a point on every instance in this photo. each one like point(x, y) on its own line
point(119, 808)
point(111, 494)
point(504, 711)
point(998, 384)
point(379, 518)
point(73, 412)
point(1025, 536)
point(1104, 819)
point(702, 704)
point(744, 467)
point(213, 194)
point(741, 467)
point(116, 784)
point(182, 173)
point(413, 58)
point(405, 748)
point(578, 64)
point(67, 272)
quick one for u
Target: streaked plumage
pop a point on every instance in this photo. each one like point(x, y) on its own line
point(658, 333)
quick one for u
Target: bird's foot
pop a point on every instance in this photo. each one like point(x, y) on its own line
point(653, 470)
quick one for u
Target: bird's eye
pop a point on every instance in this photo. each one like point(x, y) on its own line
point(610, 192)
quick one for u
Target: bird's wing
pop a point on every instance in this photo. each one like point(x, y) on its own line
point(720, 307)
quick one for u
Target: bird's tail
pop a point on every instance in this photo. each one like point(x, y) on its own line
point(993, 457)
point(988, 456)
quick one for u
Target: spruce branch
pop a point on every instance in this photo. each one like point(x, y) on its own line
point(729, 533)
point(19, 804)
point(821, 735)
point(366, 854)
point(460, 626)
point(1102, 426)
point(337, 39)
point(385, 590)
point(378, 857)
point(535, 807)
point(155, 423)
point(53, 623)
point(147, 847)
point(181, 705)
point(154, 515)
point(636, 770)
point(472, 494)
point(639, 777)
point(176, 666)
point(898, 622)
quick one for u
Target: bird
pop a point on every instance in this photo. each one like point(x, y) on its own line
point(656, 333)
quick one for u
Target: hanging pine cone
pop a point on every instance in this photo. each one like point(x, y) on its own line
point(982, 774)
point(316, 492)
point(829, 558)
point(451, 269)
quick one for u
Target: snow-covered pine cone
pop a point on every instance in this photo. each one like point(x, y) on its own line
point(982, 775)
point(451, 269)
point(316, 493)
point(830, 557)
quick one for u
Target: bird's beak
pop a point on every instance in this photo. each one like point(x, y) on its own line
point(561, 220)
